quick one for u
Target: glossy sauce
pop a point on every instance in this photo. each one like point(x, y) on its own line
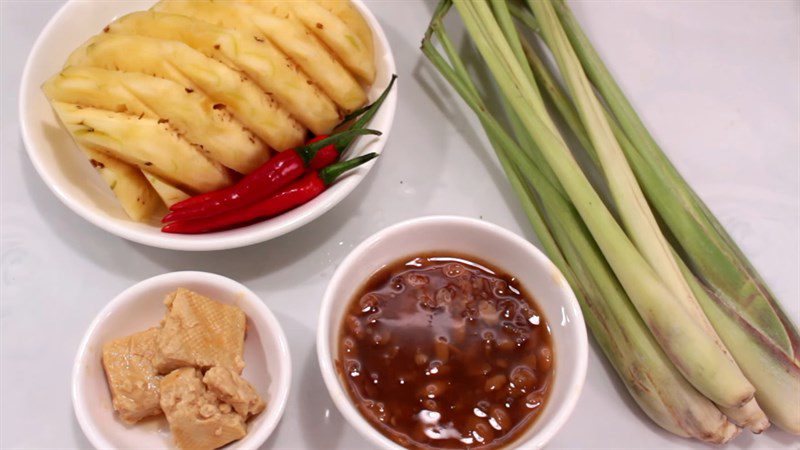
point(446, 352)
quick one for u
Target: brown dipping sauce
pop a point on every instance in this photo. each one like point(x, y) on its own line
point(446, 352)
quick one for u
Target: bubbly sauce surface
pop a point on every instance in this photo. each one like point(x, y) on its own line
point(446, 352)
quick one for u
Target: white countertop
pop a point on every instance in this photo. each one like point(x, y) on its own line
point(718, 83)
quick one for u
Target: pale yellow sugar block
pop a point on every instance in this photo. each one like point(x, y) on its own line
point(234, 390)
point(200, 332)
point(197, 419)
point(132, 376)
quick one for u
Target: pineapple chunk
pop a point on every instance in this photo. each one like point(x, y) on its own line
point(169, 194)
point(287, 33)
point(137, 198)
point(344, 10)
point(261, 61)
point(191, 114)
point(145, 143)
point(338, 37)
point(177, 61)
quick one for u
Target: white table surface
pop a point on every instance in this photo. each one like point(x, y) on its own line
point(718, 82)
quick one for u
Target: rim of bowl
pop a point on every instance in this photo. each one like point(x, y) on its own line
point(134, 292)
point(224, 240)
point(342, 399)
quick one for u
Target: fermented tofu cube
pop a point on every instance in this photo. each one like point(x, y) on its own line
point(132, 377)
point(197, 419)
point(234, 390)
point(200, 332)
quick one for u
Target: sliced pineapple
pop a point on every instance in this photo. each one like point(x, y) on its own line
point(162, 103)
point(137, 198)
point(332, 31)
point(169, 193)
point(260, 60)
point(177, 61)
point(145, 143)
point(191, 113)
point(287, 33)
point(293, 38)
point(347, 12)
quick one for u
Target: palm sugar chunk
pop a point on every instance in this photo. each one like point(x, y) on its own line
point(197, 419)
point(132, 376)
point(234, 390)
point(200, 332)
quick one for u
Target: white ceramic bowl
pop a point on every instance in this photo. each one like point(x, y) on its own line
point(495, 245)
point(64, 168)
point(266, 357)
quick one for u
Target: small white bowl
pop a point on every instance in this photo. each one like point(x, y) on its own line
point(266, 357)
point(500, 248)
point(66, 172)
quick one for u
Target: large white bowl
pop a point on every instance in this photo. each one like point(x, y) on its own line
point(500, 248)
point(64, 168)
point(266, 357)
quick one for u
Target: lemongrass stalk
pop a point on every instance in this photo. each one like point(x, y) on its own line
point(526, 142)
point(711, 252)
point(458, 76)
point(551, 88)
point(505, 21)
point(653, 381)
point(686, 343)
point(775, 375)
point(506, 24)
point(730, 388)
point(636, 215)
point(748, 415)
point(657, 387)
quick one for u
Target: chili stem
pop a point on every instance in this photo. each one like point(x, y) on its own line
point(307, 152)
point(368, 113)
point(329, 174)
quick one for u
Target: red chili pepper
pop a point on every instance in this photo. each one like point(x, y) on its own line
point(274, 174)
point(331, 153)
point(298, 193)
point(325, 156)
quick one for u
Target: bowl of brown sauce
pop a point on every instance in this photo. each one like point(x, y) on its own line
point(447, 332)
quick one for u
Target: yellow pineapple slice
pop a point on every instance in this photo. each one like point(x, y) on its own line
point(134, 193)
point(191, 113)
point(177, 61)
point(145, 143)
point(169, 194)
point(259, 59)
